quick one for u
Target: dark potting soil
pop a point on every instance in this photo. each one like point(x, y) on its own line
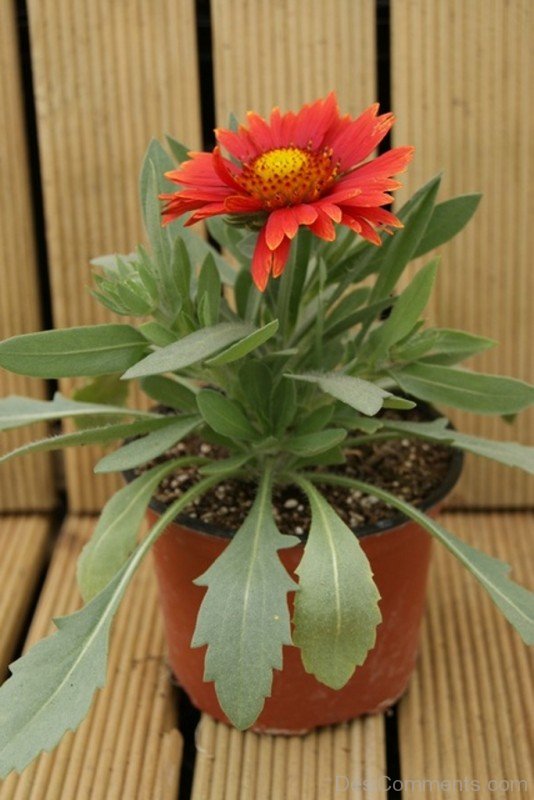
point(411, 469)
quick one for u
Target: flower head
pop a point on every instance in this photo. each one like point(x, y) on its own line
point(305, 168)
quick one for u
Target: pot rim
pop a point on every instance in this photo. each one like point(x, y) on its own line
point(398, 519)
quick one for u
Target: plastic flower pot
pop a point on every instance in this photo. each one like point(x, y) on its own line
point(399, 553)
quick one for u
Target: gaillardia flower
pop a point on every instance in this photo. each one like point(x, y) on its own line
point(303, 168)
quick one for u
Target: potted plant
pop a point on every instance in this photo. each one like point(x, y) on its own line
point(291, 451)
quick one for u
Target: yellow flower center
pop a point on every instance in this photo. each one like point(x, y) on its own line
point(280, 163)
point(287, 176)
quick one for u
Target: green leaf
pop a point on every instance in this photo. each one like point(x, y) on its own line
point(179, 150)
point(256, 383)
point(515, 602)
point(115, 535)
point(396, 251)
point(469, 391)
point(336, 609)
point(316, 420)
point(244, 617)
point(359, 394)
point(451, 346)
point(86, 351)
point(16, 411)
point(157, 334)
point(340, 317)
point(102, 435)
point(209, 287)
point(170, 393)
point(246, 345)
point(310, 444)
point(224, 416)
point(405, 314)
point(104, 390)
point(193, 348)
point(53, 684)
point(512, 454)
point(283, 405)
point(448, 219)
point(142, 450)
point(225, 465)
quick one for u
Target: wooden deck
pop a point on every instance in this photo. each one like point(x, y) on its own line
point(464, 719)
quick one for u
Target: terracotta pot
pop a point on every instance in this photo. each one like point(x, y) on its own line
point(399, 553)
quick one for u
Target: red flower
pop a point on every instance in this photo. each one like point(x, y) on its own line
point(297, 169)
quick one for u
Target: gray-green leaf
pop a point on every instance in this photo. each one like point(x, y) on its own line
point(190, 350)
point(224, 416)
point(336, 609)
point(85, 351)
point(16, 411)
point(101, 435)
point(515, 602)
point(512, 454)
point(469, 391)
point(142, 450)
point(359, 394)
point(448, 219)
point(246, 345)
point(244, 617)
point(115, 535)
point(406, 312)
point(53, 684)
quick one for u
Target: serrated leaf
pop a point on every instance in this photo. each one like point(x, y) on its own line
point(246, 345)
point(142, 450)
point(53, 684)
point(469, 391)
point(193, 348)
point(244, 617)
point(512, 454)
point(16, 411)
point(224, 416)
point(116, 532)
point(359, 394)
point(336, 607)
point(448, 219)
point(515, 602)
point(100, 435)
point(85, 351)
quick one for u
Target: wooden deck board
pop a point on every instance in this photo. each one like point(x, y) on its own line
point(465, 717)
point(23, 544)
point(129, 745)
point(468, 714)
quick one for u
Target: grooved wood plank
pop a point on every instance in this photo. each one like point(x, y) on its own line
point(129, 745)
point(289, 52)
point(468, 714)
point(108, 77)
point(24, 484)
point(23, 544)
point(247, 766)
point(461, 88)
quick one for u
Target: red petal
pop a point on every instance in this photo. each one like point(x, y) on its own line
point(323, 227)
point(356, 139)
point(266, 261)
point(222, 168)
point(242, 204)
